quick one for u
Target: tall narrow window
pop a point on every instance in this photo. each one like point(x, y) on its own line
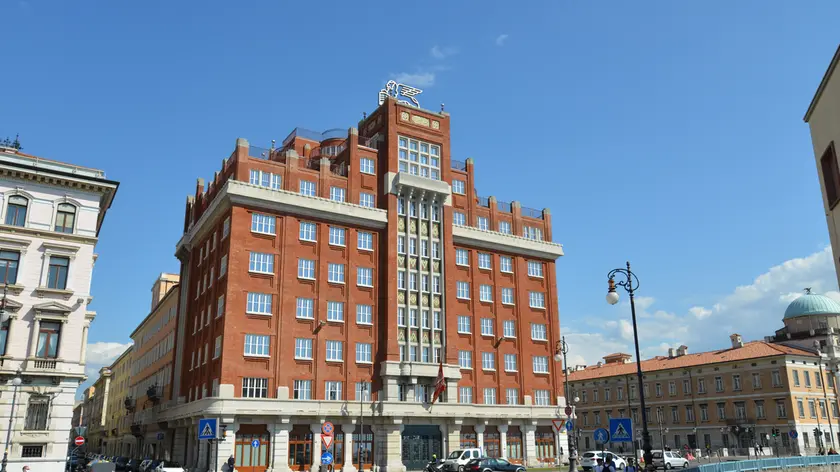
point(48, 340)
point(37, 412)
point(828, 163)
point(57, 275)
point(65, 218)
point(16, 211)
point(9, 267)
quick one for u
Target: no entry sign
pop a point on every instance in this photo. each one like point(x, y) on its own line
point(79, 441)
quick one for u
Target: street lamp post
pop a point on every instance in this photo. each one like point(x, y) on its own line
point(560, 354)
point(361, 423)
point(16, 381)
point(631, 284)
point(825, 394)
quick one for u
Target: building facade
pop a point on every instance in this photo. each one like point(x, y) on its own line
point(117, 423)
point(99, 403)
point(333, 278)
point(151, 372)
point(50, 216)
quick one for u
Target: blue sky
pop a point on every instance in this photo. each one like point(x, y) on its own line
point(667, 133)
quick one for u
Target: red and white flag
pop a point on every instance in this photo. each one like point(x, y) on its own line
point(440, 384)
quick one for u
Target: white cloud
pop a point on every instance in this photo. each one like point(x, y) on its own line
point(442, 52)
point(418, 79)
point(500, 39)
point(754, 310)
point(104, 353)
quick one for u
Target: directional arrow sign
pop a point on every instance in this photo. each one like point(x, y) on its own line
point(328, 440)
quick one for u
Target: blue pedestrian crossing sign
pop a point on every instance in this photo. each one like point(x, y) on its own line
point(326, 458)
point(601, 435)
point(621, 430)
point(207, 428)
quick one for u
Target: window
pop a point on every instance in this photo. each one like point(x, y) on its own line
point(740, 410)
point(509, 328)
point(487, 326)
point(830, 174)
point(306, 269)
point(223, 266)
point(484, 261)
point(817, 380)
point(37, 413)
point(721, 411)
point(756, 377)
point(435, 284)
point(363, 353)
point(512, 396)
point(795, 378)
point(424, 282)
point(364, 277)
point(400, 244)
point(488, 361)
point(400, 316)
point(337, 236)
point(364, 314)
point(9, 261)
point(337, 194)
point(303, 390)
point(305, 308)
point(535, 269)
point(807, 379)
point(541, 397)
point(507, 296)
point(437, 323)
point(482, 223)
point(686, 386)
point(256, 345)
point(530, 232)
point(506, 264)
point(458, 186)
point(485, 293)
point(366, 166)
point(303, 348)
point(307, 231)
point(65, 218)
point(463, 324)
point(822, 408)
point(48, 338)
point(401, 280)
point(307, 188)
point(536, 299)
point(16, 211)
point(658, 390)
point(759, 409)
point(701, 385)
point(419, 158)
point(465, 394)
point(266, 179)
point(540, 364)
point(412, 246)
point(459, 219)
point(366, 199)
point(335, 351)
point(57, 274)
point(412, 317)
point(261, 263)
point(365, 240)
point(253, 387)
point(462, 257)
point(332, 390)
point(32, 451)
point(538, 332)
point(835, 410)
point(435, 250)
point(335, 311)
point(800, 408)
point(363, 391)
point(510, 363)
point(504, 227)
point(719, 384)
point(264, 224)
point(226, 228)
point(781, 410)
point(489, 396)
point(463, 290)
point(672, 388)
point(704, 412)
point(465, 359)
point(335, 273)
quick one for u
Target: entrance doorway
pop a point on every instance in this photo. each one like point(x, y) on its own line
point(419, 442)
point(249, 458)
point(300, 448)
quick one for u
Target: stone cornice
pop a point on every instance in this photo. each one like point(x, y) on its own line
point(508, 243)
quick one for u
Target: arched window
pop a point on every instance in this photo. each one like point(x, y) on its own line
point(16, 211)
point(65, 218)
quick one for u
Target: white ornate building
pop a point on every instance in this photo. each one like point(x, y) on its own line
point(50, 216)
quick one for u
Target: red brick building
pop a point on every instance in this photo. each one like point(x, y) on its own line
point(330, 277)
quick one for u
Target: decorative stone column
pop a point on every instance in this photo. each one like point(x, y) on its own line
point(33, 344)
point(348, 429)
point(392, 450)
point(280, 445)
point(202, 455)
point(179, 446)
point(530, 430)
point(503, 429)
point(316, 446)
point(479, 436)
point(453, 436)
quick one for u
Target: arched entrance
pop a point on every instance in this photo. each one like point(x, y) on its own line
point(249, 458)
point(419, 442)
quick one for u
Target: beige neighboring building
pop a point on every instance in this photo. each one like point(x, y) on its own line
point(823, 118)
point(118, 440)
point(98, 411)
point(151, 370)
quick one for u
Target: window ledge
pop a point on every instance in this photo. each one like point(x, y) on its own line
point(364, 324)
point(334, 361)
point(365, 362)
point(254, 313)
point(307, 359)
point(41, 291)
point(256, 356)
point(364, 249)
point(333, 282)
point(14, 289)
point(336, 321)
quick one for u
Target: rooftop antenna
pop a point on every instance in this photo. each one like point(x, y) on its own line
point(364, 115)
point(441, 107)
point(807, 290)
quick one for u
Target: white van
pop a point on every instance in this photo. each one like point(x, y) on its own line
point(456, 460)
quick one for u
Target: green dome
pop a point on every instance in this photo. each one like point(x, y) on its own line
point(812, 304)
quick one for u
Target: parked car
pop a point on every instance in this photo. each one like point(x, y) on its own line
point(668, 460)
point(456, 460)
point(590, 459)
point(169, 466)
point(489, 464)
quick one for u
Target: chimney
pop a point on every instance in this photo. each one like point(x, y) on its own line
point(682, 350)
point(670, 353)
point(736, 341)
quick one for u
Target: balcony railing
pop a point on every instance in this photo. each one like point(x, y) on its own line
point(532, 213)
point(459, 165)
point(505, 207)
point(45, 363)
point(339, 169)
point(483, 202)
point(260, 152)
